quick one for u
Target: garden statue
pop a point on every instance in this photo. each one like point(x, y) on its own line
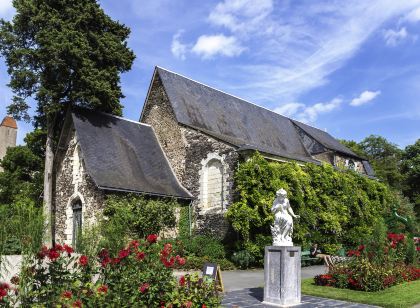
point(282, 229)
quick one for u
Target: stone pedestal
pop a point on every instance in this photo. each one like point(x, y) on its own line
point(282, 276)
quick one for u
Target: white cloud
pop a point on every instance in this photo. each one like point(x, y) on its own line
point(240, 15)
point(308, 114)
point(413, 16)
point(207, 46)
point(295, 46)
point(364, 98)
point(393, 37)
point(289, 109)
point(6, 9)
point(178, 49)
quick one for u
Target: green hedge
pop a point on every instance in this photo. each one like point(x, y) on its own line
point(335, 206)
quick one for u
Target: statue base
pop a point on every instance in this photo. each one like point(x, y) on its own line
point(282, 276)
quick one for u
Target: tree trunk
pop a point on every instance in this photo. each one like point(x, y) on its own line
point(48, 183)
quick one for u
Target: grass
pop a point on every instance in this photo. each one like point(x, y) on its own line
point(403, 295)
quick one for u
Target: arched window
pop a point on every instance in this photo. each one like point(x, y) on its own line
point(214, 184)
point(77, 221)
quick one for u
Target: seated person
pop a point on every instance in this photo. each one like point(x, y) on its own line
point(315, 252)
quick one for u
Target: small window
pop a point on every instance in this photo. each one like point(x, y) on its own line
point(77, 221)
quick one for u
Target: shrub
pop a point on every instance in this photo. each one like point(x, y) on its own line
point(243, 259)
point(334, 206)
point(139, 275)
point(374, 266)
point(134, 216)
point(202, 246)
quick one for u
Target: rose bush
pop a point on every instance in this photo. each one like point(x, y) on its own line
point(139, 275)
point(373, 267)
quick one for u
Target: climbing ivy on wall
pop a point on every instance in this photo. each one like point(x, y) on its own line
point(335, 206)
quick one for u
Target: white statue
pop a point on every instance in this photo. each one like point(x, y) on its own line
point(282, 229)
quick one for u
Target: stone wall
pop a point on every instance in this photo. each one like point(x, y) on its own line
point(72, 184)
point(7, 139)
point(188, 150)
point(346, 162)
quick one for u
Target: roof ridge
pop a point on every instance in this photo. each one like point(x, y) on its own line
point(221, 91)
point(115, 116)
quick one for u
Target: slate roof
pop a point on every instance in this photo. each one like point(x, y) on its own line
point(124, 155)
point(325, 139)
point(239, 122)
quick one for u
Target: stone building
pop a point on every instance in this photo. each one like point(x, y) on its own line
point(187, 145)
point(8, 133)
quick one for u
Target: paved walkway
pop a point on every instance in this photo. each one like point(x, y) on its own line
point(253, 298)
point(238, 280)
point(245, 289)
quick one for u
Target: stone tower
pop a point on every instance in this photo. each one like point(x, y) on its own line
point(8, 132)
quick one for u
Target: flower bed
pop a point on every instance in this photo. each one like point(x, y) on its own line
point(374, 267)
point(140, 275)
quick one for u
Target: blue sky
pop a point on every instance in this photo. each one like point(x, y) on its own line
point(349, 67)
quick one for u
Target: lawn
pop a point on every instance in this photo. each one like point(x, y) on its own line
point(403, 295)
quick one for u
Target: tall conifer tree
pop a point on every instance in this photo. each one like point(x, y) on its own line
point(63, 53)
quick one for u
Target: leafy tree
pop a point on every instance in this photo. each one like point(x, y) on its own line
point(411, 171)
point(385, 158)
point(63, 53)
point(22, 175)
point(354, 146)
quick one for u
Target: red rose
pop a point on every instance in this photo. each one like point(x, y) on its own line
point(152, 238)
point(105, 261)
point(181, 261)
point(144, 287)
point(361, 247)
point(134, 244)
point(53, 254)
point(83, 260)
point(3, 293)
point(68, 249)
point(188, 304)
point(103, 289)
point(123, 253)
point(4, 285)
point(204, 306)
point(140, 255)
point(66, 294)
point(182, 281)
point(115, 260)
point(77, 304)
point(43, 252)
point(418, 248)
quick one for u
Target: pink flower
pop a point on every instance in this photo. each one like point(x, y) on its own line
point(83, 260)
point(144, 287)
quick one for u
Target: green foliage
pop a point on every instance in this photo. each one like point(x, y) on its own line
point(243, 259)
point(133, 216)
point(335, 207)
point(385, 158)
point(21, 227)
point(184, 222)
point(64, 52)
point(21, 175)
point(201, 246)
point(140, 275)
point(411, 171)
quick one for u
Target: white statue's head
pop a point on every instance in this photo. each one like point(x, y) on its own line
point(281, 193)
